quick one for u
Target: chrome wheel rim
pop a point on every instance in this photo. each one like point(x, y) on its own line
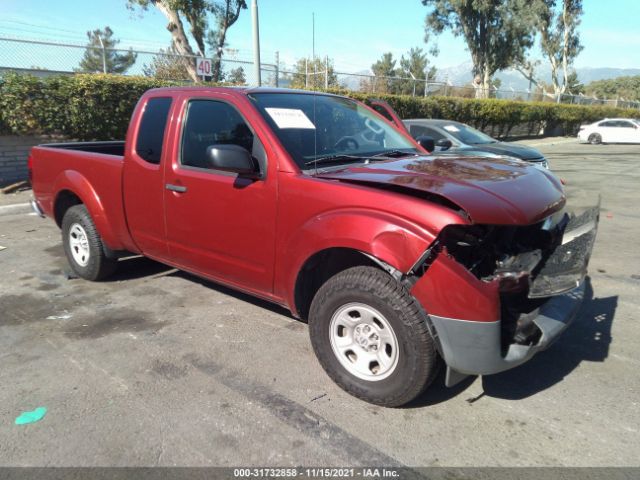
point(79, 244)
point(363, 341)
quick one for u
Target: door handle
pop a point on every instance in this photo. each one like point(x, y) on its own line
point(175, 188)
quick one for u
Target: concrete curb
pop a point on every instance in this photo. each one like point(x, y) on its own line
point(552, 142)
point(16, 209)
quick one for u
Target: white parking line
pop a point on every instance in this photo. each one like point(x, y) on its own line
point(15, 209)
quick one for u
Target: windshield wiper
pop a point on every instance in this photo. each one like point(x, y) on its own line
point(334, 159)
point(342, 157)
point(393, 154)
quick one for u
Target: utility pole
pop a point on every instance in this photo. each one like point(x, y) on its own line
point(326, 72)
point(104, 55)
point(256, 42)
point(426, 82)
point(313, 46)
point(277, 69)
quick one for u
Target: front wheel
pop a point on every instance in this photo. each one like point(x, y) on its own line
point(83, 245)
point(371, 337)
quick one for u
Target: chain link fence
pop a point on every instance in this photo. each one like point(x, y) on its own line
point(43, 58)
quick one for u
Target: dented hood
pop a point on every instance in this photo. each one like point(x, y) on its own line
point(495, 191)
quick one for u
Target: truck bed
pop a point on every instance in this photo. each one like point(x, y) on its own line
point(88, 169)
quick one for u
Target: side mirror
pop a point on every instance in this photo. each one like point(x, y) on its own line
point(232, 158)
point(444, 144)
point(427, 143)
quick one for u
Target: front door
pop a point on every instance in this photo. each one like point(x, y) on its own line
point(218, 224)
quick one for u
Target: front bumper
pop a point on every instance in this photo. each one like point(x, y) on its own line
point(472, 320)
point(474, 348)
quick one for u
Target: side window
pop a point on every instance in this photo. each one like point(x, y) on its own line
point(418, 130)
point(625, 124)
point(210, 122)
point(607, 124)
point(151, 131)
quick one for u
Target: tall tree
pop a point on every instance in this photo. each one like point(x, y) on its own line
point(226, 14)
point(416, 67)
point(497, 32)
point(195, 13)
point(559, 38)
point(100, 55)
point(313, 74)
point(383, 69)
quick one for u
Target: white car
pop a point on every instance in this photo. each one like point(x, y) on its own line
point(611, 130)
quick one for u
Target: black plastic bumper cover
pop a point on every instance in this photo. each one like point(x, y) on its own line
point(473, 348)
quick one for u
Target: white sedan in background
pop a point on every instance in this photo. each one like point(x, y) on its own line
point(611, 130)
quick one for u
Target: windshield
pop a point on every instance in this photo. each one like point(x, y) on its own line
point(467, 135)
point(314, 127)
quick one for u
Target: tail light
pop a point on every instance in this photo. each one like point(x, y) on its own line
point(30, 168)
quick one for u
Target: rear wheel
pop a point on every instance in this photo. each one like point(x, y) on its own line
point(371, 337)
point(595, 139)
point(83, 245)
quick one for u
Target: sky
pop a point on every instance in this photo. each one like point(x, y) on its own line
point(354, 33)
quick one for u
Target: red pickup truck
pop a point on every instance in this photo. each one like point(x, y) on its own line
point(396, 259)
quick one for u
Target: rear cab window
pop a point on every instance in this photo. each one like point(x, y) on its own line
point(152, 128)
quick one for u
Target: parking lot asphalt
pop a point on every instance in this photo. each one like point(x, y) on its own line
point(158, 367)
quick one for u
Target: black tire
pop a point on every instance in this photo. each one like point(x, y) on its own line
point(417, 361)
point(595, 139)
point(97, 266)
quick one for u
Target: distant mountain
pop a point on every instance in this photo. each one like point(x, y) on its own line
point(461, 74)
point(511, 79)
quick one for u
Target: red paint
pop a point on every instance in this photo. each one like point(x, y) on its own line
point(447, 289)
point(256, 235)
point(385, 110)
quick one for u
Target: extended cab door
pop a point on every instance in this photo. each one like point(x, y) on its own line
point(384, 109)
point(143, 176)
point(219, 224)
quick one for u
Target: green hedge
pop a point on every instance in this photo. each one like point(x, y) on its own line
point(93, 106)
point(83, 106)
point(499, 117)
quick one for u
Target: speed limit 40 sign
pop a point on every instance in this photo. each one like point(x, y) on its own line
point(203, 66)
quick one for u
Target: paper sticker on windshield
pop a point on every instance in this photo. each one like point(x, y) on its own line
point(451, 128)
point(290, 118)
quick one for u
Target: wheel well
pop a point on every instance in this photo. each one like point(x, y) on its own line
point(64, 201)
point(321, 267)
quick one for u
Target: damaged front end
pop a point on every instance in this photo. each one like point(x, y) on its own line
point(497, 294)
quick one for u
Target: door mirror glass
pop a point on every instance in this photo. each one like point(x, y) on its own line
point(232, 158)
point(427, 143)
point(444, 144)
